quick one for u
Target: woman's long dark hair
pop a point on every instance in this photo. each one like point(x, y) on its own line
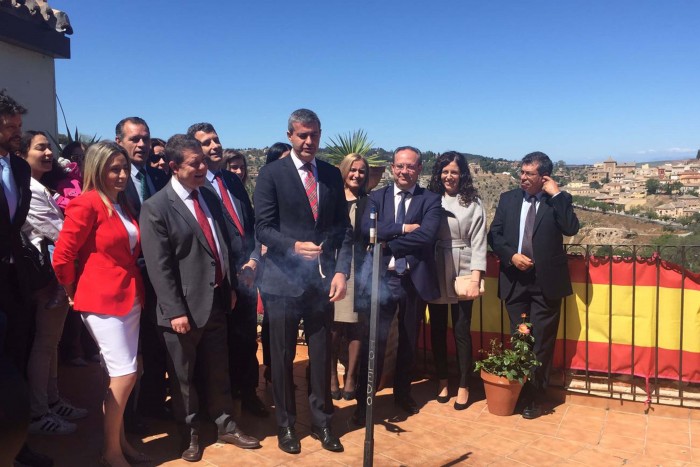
point(467, 191)
point(51, 178)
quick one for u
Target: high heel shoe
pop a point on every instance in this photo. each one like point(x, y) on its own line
point(443, 399)
point(349, 395)
point(267, 375)
point(335, 395)
point(459, 406)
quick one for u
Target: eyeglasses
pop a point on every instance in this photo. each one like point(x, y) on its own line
point(408, 167)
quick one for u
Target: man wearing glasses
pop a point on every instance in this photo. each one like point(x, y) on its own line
point(408, 217)
point(527, 235)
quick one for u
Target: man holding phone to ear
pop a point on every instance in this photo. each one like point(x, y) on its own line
point(527, 235)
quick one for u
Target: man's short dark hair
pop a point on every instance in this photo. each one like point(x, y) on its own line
point(177, 145)
point(410, 148)
point(206, 127)
point(544, 163)
point(304, 116)
point(119, 130)
point(9, 106)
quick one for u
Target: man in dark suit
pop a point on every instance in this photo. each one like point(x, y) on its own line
point(186, 248)
point(15, 295)
point(134, 135)
point(243, 321)
point(302, 219)
point(527, 235)
point(408, 218)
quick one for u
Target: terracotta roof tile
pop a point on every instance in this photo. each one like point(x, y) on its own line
point(40, 12)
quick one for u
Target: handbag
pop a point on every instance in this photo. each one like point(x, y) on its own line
point(34, 268)
point(461, 284)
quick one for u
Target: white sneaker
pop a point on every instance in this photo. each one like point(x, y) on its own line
point(66, 410)
point(51, 424)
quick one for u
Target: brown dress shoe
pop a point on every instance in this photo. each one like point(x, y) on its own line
point(239, 439)
point(194, 452)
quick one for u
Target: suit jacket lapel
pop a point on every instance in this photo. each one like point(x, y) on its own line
point(4, 207)
point(416, 199)
point(213, 203)
point(181, 208)
point(544, 207)
point(323, 191)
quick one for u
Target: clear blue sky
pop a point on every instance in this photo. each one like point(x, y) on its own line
point(580, 81)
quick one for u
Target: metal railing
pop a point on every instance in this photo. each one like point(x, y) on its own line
point(658, 271)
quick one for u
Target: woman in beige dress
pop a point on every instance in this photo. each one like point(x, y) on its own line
point(459, 251)
point(346, 326)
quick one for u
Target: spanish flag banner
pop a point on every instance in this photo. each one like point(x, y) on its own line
point(626, 316)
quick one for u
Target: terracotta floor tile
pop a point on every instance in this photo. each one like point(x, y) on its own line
point(583, 423)
point(668, 435)
point(381, 460)
point(651, 461)
point(586, 411)
point(665, 423)
point(517, 436)
point(622, 443)
point(458, 456)
point(313, 460)
point(695, 455)
point(538, 425)
point(584, 436)
point(497, 420)
point(667, 451)
point(622, 417)
point(695, 427)
point(557, 446)
point(406, 453)
point(498, 444)
point(536, 457)
point(630, 430)
point(429, 441)
point(598, 457)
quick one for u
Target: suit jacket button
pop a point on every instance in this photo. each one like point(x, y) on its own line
point(211, 284)
point(213, 263)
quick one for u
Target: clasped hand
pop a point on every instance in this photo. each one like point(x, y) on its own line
point(522, 262)
point(307, 250)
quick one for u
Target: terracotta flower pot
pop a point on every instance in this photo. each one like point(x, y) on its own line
point(501, 394)
point(375, 176)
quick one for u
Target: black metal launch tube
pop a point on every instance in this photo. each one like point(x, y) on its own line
point(371, 364)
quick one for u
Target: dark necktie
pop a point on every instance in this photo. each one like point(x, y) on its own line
point(145, 191)
point(229, 205)
point(529, 228)
point(310, 187)
point(400, 263)
point(208, 234)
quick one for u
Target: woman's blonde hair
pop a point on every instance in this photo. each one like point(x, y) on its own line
point(97, 160)
point(347, 162)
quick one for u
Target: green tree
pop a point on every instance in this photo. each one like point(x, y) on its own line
point(652, 186)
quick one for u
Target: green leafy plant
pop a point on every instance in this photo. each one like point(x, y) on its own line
point(515, 363)
point(68, 137)
point(352, 142)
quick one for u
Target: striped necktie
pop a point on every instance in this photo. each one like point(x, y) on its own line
point(310, 187)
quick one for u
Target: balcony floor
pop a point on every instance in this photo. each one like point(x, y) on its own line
point(582, 430)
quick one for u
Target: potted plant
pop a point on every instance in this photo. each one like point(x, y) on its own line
point(505, 370)
point(356, 142)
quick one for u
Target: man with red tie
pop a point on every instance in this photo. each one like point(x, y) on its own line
point(187, 251)
point(243, 321)
point(302, 218)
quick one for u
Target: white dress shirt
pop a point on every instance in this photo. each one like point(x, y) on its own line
point(407, 203)
point(185, 195)
point(211, 177)
point(299, 164)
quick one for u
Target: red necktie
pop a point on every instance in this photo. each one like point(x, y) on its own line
point(229, 205)
point(310, 187)
point(208, 234)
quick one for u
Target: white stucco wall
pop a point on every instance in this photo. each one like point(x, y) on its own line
point(30, 79)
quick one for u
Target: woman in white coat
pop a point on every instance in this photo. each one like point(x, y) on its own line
point(459, 251)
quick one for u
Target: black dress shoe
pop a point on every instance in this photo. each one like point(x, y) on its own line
point(239, 439)
point(407, 404)
point(336, 395)
point(252, 404)
point(194, 452)
point(532, 411)
point(287, 440)
point(359, 418)
point(329, 442)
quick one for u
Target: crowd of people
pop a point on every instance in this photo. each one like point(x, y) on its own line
point(160, 251)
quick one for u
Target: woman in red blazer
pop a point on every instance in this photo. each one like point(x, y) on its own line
point(95, 260)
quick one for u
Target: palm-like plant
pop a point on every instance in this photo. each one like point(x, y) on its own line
point(342, 145)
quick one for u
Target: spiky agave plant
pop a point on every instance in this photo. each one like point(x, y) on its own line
point(344, 144)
